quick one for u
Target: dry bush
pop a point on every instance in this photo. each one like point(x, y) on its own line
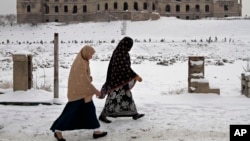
point(44, 86)
point(6, 85)
point(176, 91)
point(247, 67)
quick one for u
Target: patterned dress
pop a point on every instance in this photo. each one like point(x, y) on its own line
point(120, 103)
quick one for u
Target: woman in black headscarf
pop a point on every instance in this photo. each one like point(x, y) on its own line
point(119, 82)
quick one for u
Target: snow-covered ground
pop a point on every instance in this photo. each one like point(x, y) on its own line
point(172, 114)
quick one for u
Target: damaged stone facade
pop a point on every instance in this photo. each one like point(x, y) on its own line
point(40, 11)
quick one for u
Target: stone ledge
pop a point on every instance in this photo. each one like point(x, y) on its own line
point(26, 103)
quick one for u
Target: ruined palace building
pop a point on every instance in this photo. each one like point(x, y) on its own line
point(40, 11)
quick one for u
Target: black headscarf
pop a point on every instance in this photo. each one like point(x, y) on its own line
point(119, 69)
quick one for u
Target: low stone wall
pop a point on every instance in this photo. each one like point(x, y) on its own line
point(245, 84)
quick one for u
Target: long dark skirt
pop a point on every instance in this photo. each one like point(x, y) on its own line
point(77, 115)
point(119, 103)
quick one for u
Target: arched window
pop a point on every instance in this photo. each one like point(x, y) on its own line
point(145, 6)
point(187, 8)
point(207, 8)
point(115, 5)
point(46, 9)
point(28, 8)
point(56, 9)
point(225, 7)
point(178, 8)
point(106, 6)
point(153, 7)
point(84, 8)
point(125, 6)
point(135, 6)
point(197, 8)
point(167, 9)
point(74, 9)
point(65, 8)
point(98, 7)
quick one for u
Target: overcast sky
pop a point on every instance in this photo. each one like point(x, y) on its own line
point(9, 7)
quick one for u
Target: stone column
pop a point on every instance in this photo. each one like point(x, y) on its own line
point(22, 71)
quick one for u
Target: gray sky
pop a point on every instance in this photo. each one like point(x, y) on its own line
point(9, 7)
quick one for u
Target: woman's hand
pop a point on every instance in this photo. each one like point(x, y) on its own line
point(138, 78)
point(97, 93)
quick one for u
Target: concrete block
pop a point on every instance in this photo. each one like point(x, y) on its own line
point(244, 91)
point(243, 82)
point(197, 85)
point(201, 90)
point(22, 72)
point(22, 58)
point(214, 90)
point(248, 95)
point(247, 77)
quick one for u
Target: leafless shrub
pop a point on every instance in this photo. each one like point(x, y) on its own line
point(247, 67)
point(44, 86)
point(6, 85)
point(176, 91)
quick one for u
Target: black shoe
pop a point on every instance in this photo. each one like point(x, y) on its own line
point(104, 119)
point(62, 139)
point(137, 116)
point(95, 136)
